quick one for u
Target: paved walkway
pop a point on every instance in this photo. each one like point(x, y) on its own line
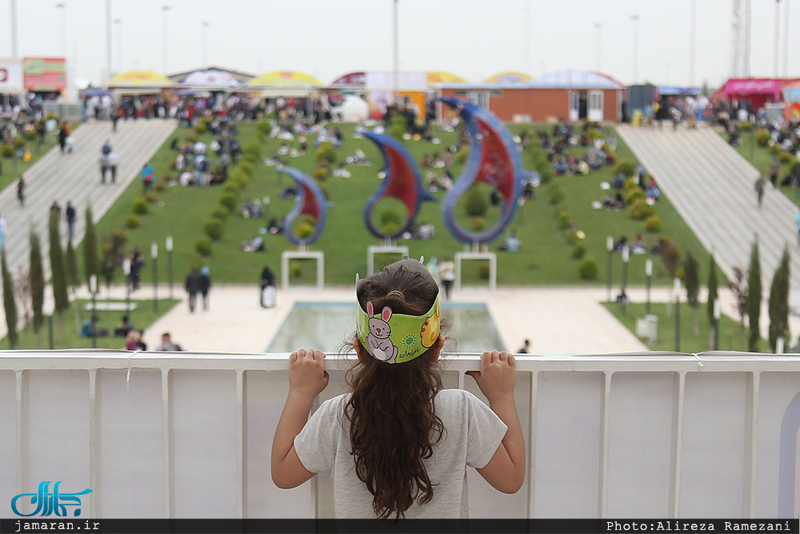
point(712, 187)
point(76, 177)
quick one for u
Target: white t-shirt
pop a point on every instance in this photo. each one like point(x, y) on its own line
point(473, 433)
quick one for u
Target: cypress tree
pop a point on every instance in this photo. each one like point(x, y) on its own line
point(73, 279)
point(754, 298)
point(779, 302)
point(90, 261)
point(713, 290)
point(692, 281)
point(37, 286)
point(58, 273)
point(9, 304)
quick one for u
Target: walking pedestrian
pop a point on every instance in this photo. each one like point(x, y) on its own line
point(21, 191)
point(137, 262)
point(205, 284)
point(774, 171)
point(193, 284)
point(113, 161)
point(267, 288)
point(760, 189)
point(447, 273)
point(70, 216)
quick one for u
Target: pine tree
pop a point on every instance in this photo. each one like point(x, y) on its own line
point(779, 302)
point(73, 279)
point(692, 281)
point(713, 289)
point(9, 304)
point(90, 261)
point(37, 286)
point(754, 298)
point(58, 273)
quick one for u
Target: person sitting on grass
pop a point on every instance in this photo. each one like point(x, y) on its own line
point(90, 328)
point(123, 327)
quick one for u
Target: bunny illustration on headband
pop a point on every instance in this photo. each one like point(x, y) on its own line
point(378, 342)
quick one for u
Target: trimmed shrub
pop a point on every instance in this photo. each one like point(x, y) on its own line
point(594, 133)
point(305, 229)
point(232, 187)
point(570, 236)
point(320, 174)
point(785, 157)
point(229, 201)
point(239, 175)
point(202, 126)
point(203, 247)
point(327, 152)
point(745, 126)
point(7, 150)
point(462, 155)
point(578, 252)
point(247, 167)
point(398, 127)
point(132, 221)
point(160, 186)
point(475, 202)
point(632, 194)
point(151, 197)
point(20, 141)
point(220, 212)
point(564, 220)
point(214, 228)
point(763, 138)
point(624, 166)
point(483, 271)
point(640, 209)
point(140, 206)
point(478, 224)
point(295, 269)
point(265, 127)
point(588, 268)
point(653, 224)
point(556, 194)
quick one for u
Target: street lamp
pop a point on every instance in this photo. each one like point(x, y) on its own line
point(108, 41)
point(777, 32)
point(677, 314)
point(93, 291)
point(205, 43)
point(62, 6)
point(395, 59)
point(164, 10)
point(610, 248)
point(635, 19)
point(691, 43)
point(599, 27)
point(118, 22)
point(717, 315)
point(154, 256)
point(14, 34)
point(126, 268)
point(626, 255)
point(169, 263)
point(648, 271)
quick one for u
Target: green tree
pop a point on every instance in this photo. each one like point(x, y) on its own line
point(691, 278)
point(58, 272)
point(73, 279)
point(37, 286)
point(90, 259)
point(9, 304)
point(754, 298)
point(713, 289)
point(398, 127)
point(779, 302)
point(475, 202)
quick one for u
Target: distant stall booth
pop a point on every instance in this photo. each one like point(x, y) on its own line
point(140, 82)
point(571, 95)
point(291, 90)
point(12, 86)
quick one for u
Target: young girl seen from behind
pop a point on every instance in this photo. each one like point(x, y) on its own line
point(398, 445)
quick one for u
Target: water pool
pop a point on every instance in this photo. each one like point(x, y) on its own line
point(326, 325)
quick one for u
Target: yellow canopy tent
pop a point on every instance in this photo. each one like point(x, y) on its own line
point(285, 83)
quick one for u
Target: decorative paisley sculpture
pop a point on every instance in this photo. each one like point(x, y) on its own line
point(493, 160)
point(402, 181)
point(310, 201)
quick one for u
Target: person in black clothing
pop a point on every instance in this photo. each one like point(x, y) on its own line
point(194, 284)
point(70, 215)
point(137, 262)
point(267, 288)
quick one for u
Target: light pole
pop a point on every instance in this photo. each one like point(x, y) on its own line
point(126, 268)
point(205, 43)
point(786, 41)
point(599, 28)
point(777, 32)
point(635, 19)
point(108, 41)
point(691, 43)
point(154, 256)
point(395, 55)
point(169, 264)
point(62, 6)
point(610, 248)
point(14, 36)
point(677, 314)
point(648, 271)
point(118, 22)
point(164, 45)
point(623, 295)
point(717, 315)
point(93, 291)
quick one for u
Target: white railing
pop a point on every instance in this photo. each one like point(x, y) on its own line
point(189, 435)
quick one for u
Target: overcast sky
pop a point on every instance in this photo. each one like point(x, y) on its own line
point(472, 38)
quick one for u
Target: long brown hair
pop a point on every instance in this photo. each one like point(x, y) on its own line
point(393, 423)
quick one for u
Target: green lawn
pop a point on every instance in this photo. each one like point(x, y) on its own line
point(142, 317)
point(731, 336)
point(13, 168)
point(545, 259)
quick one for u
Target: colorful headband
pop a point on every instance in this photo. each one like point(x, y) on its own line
point(398, 338)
